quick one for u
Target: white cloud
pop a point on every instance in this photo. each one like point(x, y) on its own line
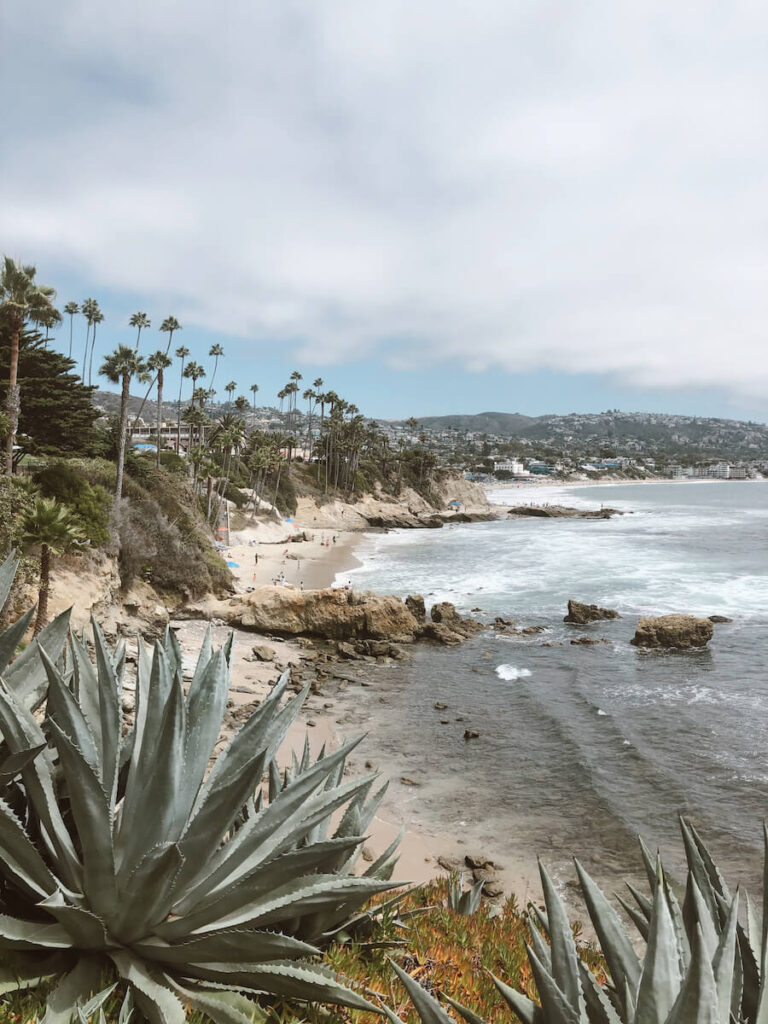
point(514, 185)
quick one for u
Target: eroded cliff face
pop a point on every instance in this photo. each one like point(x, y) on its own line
point(458, 488)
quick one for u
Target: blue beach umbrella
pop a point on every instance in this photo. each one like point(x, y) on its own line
point(233, 565)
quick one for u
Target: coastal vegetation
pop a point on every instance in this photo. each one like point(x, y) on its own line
point(147, 870)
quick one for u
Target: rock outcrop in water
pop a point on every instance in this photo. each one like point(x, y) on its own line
point(676, 631)
point(343, 615)
point(581, 614)
point(562, 512)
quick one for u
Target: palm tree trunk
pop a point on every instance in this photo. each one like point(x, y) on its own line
point(159, 413)
point(123, 431)
point(71, 322)
point(277, 483)
point(178, 410)
point(137, 417)
point(42, 594)
point(90, 361)
point(85, 353)
point(12, 404)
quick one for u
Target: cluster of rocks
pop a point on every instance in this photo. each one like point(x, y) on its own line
point(508, 627)
point(562, 512)
point(399, 519)
point(358, 620)
point(682, 632)
point(481, 869)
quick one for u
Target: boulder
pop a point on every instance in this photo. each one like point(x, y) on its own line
point(719, 618)
point(678, 631)
point(415, 605)
point(332, 614)
point(581, 614)
point(263, 653)
point(442, 634)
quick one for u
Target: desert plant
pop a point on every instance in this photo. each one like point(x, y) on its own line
point(461, 902)
point(129, 852)
point(700, 964)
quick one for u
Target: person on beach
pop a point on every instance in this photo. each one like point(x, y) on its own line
point(256, 558)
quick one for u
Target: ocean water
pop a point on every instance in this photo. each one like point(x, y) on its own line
point(583, 748)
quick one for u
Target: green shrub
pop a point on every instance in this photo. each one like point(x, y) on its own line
point(173, 463)
point(235, 495)
point(90, 502)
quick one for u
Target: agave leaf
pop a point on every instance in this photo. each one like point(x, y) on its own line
point(86, 686)
point(18, 934)
point(564, 956)
point(259, 838)
point(92, 818)
point(600, 1009)
point(708, 935)
point(12, 637)
point(309, 982)
point(154, 876)
point(110, 711)
point(21, 731)
point(469, 1015)
point(20, 859)
point(540, 947)
point(427, 1007)
point(383, 865)
point(636, 916)
point(157, 786)
point(206, 703)
point(697, 1001)
point(97, 1001)
point(154, 997)
point(75, 987)
point(85, 929)
point(302, 896)
point(660, 979)
point(7, 575)
point(265, 878)
point(554, 1002)
point(14, 764)
point(68, 715)
point(723, 963)
point(698, 871)
point(25, 678)
point(26, 973)
point(220, 1007)
point(618, 950)
point(126, 1010)
point(235, 944)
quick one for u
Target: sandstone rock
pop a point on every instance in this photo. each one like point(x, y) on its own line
point(584, 641)
point(471, 734)
point(679, 631)
point(439, 706)
point(406, 781)
point(719, 618)
point(478, 861)
point(334, 614)
point(532, 630)
point(581, 614)
point(263, 653)
point(346, 650)
point(415, 605)
point(449, 864)
point(442, 634)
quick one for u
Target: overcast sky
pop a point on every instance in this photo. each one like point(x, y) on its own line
point(528, 204)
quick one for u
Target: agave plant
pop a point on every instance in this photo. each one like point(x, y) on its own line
point(127, 849)
point(700, 965)
point(460, 902)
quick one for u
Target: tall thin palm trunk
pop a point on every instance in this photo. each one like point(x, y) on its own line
point(124, 396)
point(13, 400)
point(85, 353)
point(159, 412)
point(44, 589)
point(90, 361)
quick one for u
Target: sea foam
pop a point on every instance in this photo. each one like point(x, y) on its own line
point(510, 673)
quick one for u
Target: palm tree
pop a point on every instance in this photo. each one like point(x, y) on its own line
point(48, 319)
point(119, 367)
point(254, 389)
point(71, 309)
point(216, 351)
point(88, 308)
point(53, 528)
point(139, 320)
point(21, 299)
point(230, 389)
point(168, 326)
point(160, 363)
point(181, 353)
point(95, 317)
